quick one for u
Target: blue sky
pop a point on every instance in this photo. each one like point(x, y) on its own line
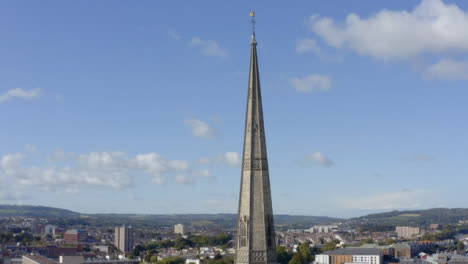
point(112, 106)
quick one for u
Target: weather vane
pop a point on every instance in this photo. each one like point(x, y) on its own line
point(252, 14)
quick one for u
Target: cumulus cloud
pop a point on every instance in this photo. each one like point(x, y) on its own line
point(202, 173)
point(232, 159)
point(199, 128)
point(319, 158)
point(19, 93)
point(448, 70)
point(96, 169)
point(404, 199)
point(172, 34)
point(11, 162)
point(306, 45)
point(183, 179)
point(312, 82)
point(208, 47)
point(432, 27)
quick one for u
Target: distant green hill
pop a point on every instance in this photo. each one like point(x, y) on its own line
point(389, 220)
point(374, 222)
point(35, 211)
point(63, 217)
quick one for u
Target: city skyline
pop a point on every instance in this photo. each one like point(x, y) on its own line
point(140, 108)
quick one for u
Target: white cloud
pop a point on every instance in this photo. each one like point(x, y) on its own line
point(11, 162)
point(19, 93)
point(183, 179)
point(312, 82)
point(96, 169)
point(404, 199)
point(306, 45)
point(199, 128)
point(431, 27)
point(208, 47)
point(232, 159)
point(202, 173)
point(448, 70)
point(319, 158)
point(173, 35)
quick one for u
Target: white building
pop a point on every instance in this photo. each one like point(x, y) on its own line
point(322, 259)
point(407, 231)
point(322, 228)
point(49, 229)
point(179, 229)
point(351, 255)
point(123, 238)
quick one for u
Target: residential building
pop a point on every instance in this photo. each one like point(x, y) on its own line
point(401, 250)
point(49, 229)
point(123, 239)
point(36, 259)
point(179, 229)
point(75, 235)
point(407, 231)
point(351, 255)
point(322, 229)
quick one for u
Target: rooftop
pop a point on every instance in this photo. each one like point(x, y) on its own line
point(40, 259)
point(354, 251)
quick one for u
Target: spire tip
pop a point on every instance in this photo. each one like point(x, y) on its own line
point(252, 15)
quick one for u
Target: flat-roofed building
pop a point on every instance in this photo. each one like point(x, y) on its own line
point(350, 255)
point(179, 229)
point(406, 231)
point(123, 238)
point(75, 235)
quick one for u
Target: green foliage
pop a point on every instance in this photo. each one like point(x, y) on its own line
point(428, 237)
point(23, 238)
point(304, 250)
point(447, 233)
point(182, 243)
point(329, 246)
point(460, 246)
point(366, 241)
point(218, 240)
point(35, 211)
point(390, 241)
point(222, 260)
point(153, 259)
point(283, 256)
point(296, 259)
point(152, 246)
point(315, 250)
point(172, 260)
point(62, 218)
point(387, 221)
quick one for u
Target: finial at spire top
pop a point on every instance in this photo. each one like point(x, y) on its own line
point(252, 14)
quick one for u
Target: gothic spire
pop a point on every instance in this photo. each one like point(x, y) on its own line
point(255, 228)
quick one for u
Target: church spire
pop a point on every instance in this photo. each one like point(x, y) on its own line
point(255, 241)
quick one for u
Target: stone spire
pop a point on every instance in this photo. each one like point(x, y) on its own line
point(255, 241)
